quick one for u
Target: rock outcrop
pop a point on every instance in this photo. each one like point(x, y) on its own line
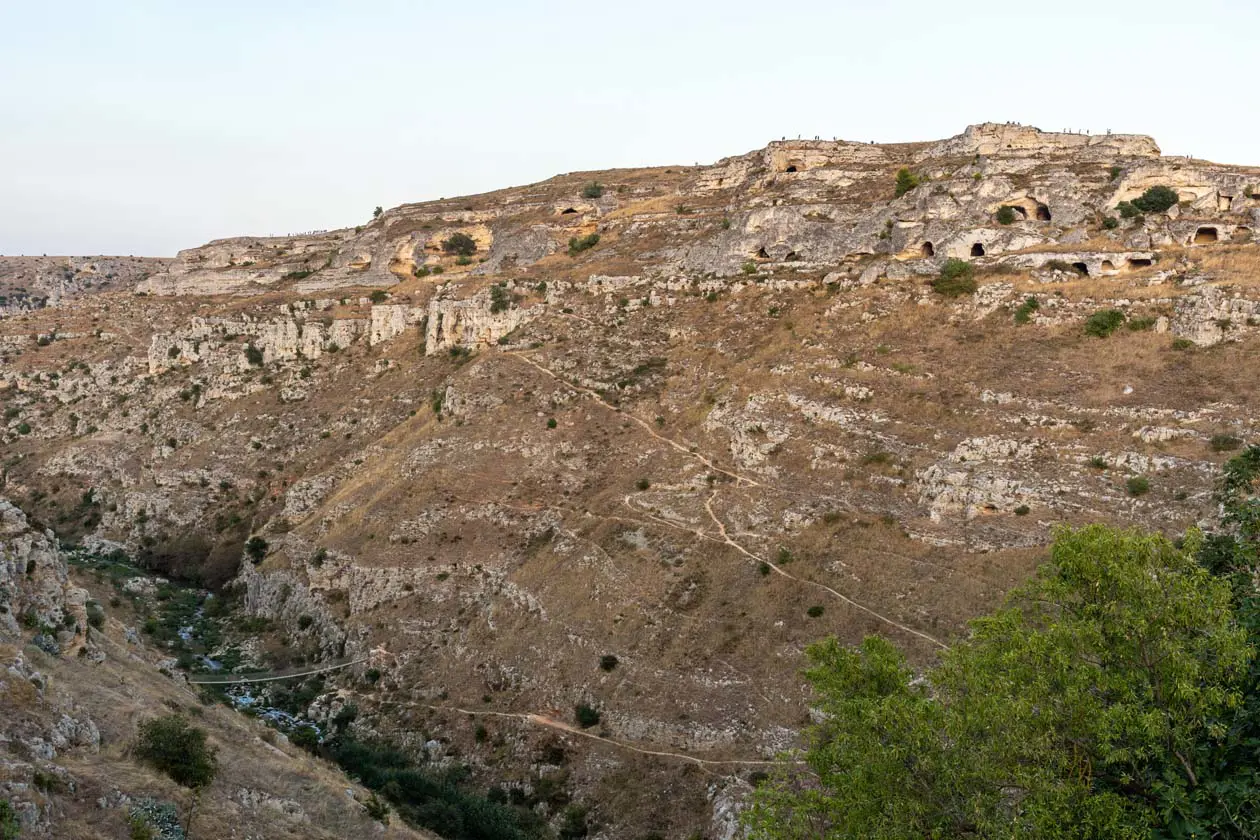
point(36, 596)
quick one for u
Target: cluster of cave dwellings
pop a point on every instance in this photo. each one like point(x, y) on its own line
point(1028, 208)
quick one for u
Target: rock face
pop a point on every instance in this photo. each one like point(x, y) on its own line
point(469, 323)
point(35, 592)
point(598, 424)
point(28, 283)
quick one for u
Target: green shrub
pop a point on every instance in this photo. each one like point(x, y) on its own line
point(1127, 210)
point(253, 355)
point(1006, 215)
point(377, 809)
point(906, 181)
point(460, 244)
point(10, 828)
point(578, 244)
point(463, 261)
point(24, 428)
point(96, 613)
point(1104, 322)
point(1182, 344)
point(1224, 443)
point(763, 568)
point(1138, 485)
point(957, 278)
point(179, 750)
point(551, 422)
point(1110, 223)
point(1116, 172)
point(1156, 199)
point(607, 662)
point(815, 611)
point(377, 211)
point(643, 484)
point(378, 296)
point(593, 190)
point(1141, 324)
point(586, 715)
point(1026, 309)
point(304, 737)
point(1022, 510)
point(256, 548)
point(500, 300)
point(432, 798)
point(749, 267)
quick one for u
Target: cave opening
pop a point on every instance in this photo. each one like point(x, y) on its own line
point(1043, 213)
point(977, 250)
point(928, 249)
point(1205, 234)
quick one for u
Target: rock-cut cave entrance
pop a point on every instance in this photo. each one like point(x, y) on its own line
point(1043, 213)
point(1205, 234)
point(928, 250)
point(977, 250)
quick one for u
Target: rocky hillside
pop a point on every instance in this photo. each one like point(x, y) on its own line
point(592, 459)
point(71, 699)
point(28, 283)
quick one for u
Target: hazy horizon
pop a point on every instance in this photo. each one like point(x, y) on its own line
point(144, 129)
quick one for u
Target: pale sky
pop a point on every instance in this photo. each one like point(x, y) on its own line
point(142, 127)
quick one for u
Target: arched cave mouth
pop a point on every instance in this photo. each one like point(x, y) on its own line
point(1107, 265)
point(761, 254)
point(567, 211)
point(1139, 262)
point(1081, 268)
point(977, 250)
point(1206, 234)
point(1043, 213)
point(927, 250)
point(791, 168)
point(791, 256)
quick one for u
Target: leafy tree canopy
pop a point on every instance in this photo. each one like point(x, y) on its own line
point(1117, 695)
point(178, 749)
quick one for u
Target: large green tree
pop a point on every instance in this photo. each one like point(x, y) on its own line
point(1108, 700)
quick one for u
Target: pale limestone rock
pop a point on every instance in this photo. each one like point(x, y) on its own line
point(469, 323)
point(35, 584)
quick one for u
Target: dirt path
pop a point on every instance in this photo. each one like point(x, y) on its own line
point(568, 729)
point(740, 479)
